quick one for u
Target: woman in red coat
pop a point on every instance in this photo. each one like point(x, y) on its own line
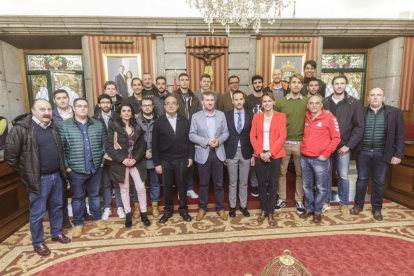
point(268, 135)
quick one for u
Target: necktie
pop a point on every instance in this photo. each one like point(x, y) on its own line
point(239, 122)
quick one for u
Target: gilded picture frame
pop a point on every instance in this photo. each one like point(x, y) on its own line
point(289, 64)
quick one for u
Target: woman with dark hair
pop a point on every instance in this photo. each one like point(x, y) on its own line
point(268, 135)
point(126, 146)
point(129, 80)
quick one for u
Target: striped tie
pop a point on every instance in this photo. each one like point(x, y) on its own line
point(239, 122)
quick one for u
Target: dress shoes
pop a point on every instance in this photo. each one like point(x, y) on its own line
point(165, 218)
point(232, 212)
point(200, 215)
point(306, 215)
point(42, 250)
point(271, 220)
point(245, 212)
point(355, 211)
point(222, 215)
point(145, 220)
point(262, 216)
point(186, 217)
point(317, 218)
point(62, 239)
point(66, 224)
point(87, 218)
point(377, 215)
point(128, 220)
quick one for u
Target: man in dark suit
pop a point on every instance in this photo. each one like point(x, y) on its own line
point(239, 152)
point(121, 82)
point(205, 84)
point(173, 154)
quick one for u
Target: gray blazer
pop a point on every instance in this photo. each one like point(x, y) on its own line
point(216, 94)
point(199, 136)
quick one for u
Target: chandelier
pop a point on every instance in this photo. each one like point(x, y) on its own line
point(240, 12)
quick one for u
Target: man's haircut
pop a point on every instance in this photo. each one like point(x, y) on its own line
point(80, 99)
point(340, 77)
point(269, 94)
point(182, 75)
point(146, 74)
point(121, 66)
point(110, 83)
point(313, 79)
point(132, 81)
point(206, 93)
point(148, 99)
point(232, 77)
point(60, 91)
point(298, 76)
point(170, 96)
point(36, 100)
point(239, 92)
point(160, 78)
point(316, 95)
point(205, 76)
point(257, 77)
point(383, 92)
point(104, 96)
point(310, 62)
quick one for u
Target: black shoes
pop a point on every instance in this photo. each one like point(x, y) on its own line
point(128, 220)
point(244, 211)
point(87, 218)
point(66, 224)
point(165, 218)
point(232, 212)
point(145, 220)
point(185, 216)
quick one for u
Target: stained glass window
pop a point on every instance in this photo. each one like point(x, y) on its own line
point(55, 62)
point(333, 61)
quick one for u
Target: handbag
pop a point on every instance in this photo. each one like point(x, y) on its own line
point(116, 147)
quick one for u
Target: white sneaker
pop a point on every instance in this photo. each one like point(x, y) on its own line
point(192, 194)
point(120, 212)
point(279, 205)
point(325, 207)
point(106, 213)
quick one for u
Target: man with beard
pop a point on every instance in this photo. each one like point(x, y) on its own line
point(110, 89)
point(294, 105)
point(149, 89)
point(160, 96)
point(136, 99)
point(121, 82)
point(205, 84)
point(313, 87)
point(33, 149)
point(278, 87)
point(309, 69)
point(188, 104)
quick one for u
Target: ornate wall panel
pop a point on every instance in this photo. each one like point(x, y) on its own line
point(407, 75)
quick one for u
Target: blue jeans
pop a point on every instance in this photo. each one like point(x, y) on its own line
point(65, 200)
point(106, 189)
point(342, 168)
point(370, 163)
point(314, 171)
point(254, 182)
point(78, 181)
point(155, 187)
point(50, 191)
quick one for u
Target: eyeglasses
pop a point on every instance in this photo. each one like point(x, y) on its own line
point(170, 104)
point(81, 106)
point(147, 105)
point(235, 82)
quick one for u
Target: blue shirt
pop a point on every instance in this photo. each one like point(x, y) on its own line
point(89, 165)
point(236, 120)
point(211, 124)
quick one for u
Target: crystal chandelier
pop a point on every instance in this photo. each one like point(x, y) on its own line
point(240, 12)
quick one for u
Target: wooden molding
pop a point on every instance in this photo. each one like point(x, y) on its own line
point(116, 41)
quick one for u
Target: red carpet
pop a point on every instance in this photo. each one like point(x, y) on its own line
point(342, 255)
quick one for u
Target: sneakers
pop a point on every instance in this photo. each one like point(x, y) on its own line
point(137, 211)
point(279, 205)
point(106, 213)
point(100, 224)
point(255, 191)
point(345, 211)
point(77, 231)
point(120, 212)
point(325, 207)
point(300, 208)
point(192, 194)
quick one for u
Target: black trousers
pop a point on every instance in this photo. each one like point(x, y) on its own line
point(174, 171)
point(267, 173)
point(213, 166)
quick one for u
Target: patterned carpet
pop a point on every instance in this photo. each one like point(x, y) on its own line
point(356, 246)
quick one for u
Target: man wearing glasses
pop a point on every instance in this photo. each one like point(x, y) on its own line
point(225, 102)
point(83, 141)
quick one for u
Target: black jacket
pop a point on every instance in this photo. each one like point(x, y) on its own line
point(98, 116)
point(350, 119)
point(394, 133)
point(131, 100)
point(22, 153)
point(159, 103)
point(115, 105)
point(321, 91)
point(231, 143)
point(117, 169)
point(170, 146)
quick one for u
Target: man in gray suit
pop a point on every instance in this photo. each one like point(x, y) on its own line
point(209, 132)
point(121, 83)
point(205, 85)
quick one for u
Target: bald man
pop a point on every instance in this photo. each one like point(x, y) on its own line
point(278, 87)
point(39, 161)
point(382, 144)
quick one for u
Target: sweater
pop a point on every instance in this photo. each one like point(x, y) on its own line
point(295, 110)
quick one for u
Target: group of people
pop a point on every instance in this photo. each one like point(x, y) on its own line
point(156, 133)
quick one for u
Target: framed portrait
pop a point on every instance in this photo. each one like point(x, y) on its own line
point(122, 68)
point(289, 64)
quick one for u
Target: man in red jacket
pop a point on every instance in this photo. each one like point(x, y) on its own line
point(320, 139)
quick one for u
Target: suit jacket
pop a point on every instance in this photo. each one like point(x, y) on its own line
point(226, 103)
point(198, 93)
point(277, 135)
point(199, 136)
point(231, 143)
point(121, 85)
